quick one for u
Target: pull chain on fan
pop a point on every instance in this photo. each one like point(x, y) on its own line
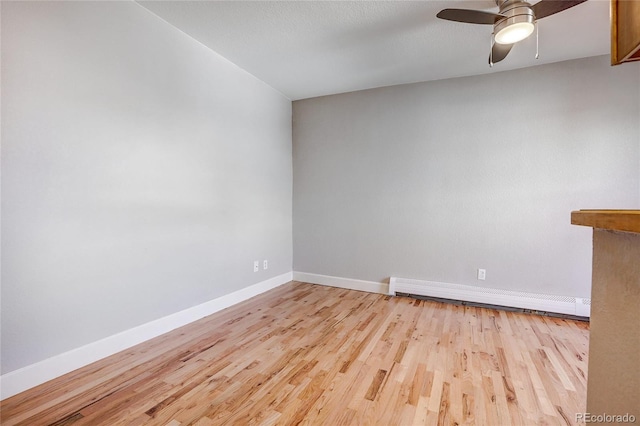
point(537, 41)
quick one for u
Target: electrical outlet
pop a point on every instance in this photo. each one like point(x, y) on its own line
point(482, 274)
point(256, 266)
point(265, 264)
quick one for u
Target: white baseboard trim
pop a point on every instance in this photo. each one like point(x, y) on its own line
point(348, 283)
point(32, 375)
point(514, 299)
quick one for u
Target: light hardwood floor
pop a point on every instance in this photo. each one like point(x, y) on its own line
point(319, 355)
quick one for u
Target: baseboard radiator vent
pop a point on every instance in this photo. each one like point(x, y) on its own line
point(541, 303)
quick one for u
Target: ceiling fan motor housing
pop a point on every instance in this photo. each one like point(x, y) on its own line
point(517, 14)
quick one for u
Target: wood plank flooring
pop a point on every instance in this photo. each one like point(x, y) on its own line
point(315, 355)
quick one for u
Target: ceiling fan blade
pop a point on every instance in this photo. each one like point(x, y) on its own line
point(469, 16)
point(499, 52)
point(546, 8)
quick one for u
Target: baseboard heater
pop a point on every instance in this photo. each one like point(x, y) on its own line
point(567, 305)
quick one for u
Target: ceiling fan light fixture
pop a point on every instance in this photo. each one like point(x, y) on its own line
point(517, 25)
point(514, 33)
point(515, 21)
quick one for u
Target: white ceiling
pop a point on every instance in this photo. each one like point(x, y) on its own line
point(313, 48)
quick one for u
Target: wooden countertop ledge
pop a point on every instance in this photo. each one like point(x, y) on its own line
point(613, 220)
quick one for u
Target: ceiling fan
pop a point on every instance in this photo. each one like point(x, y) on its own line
point(514, 22)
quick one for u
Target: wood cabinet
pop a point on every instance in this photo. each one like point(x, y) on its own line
point(625, 31)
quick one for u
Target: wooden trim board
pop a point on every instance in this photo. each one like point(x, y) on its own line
point(612, 220)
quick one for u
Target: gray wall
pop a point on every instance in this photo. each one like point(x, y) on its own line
point(434, 180)
point(141, 175)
